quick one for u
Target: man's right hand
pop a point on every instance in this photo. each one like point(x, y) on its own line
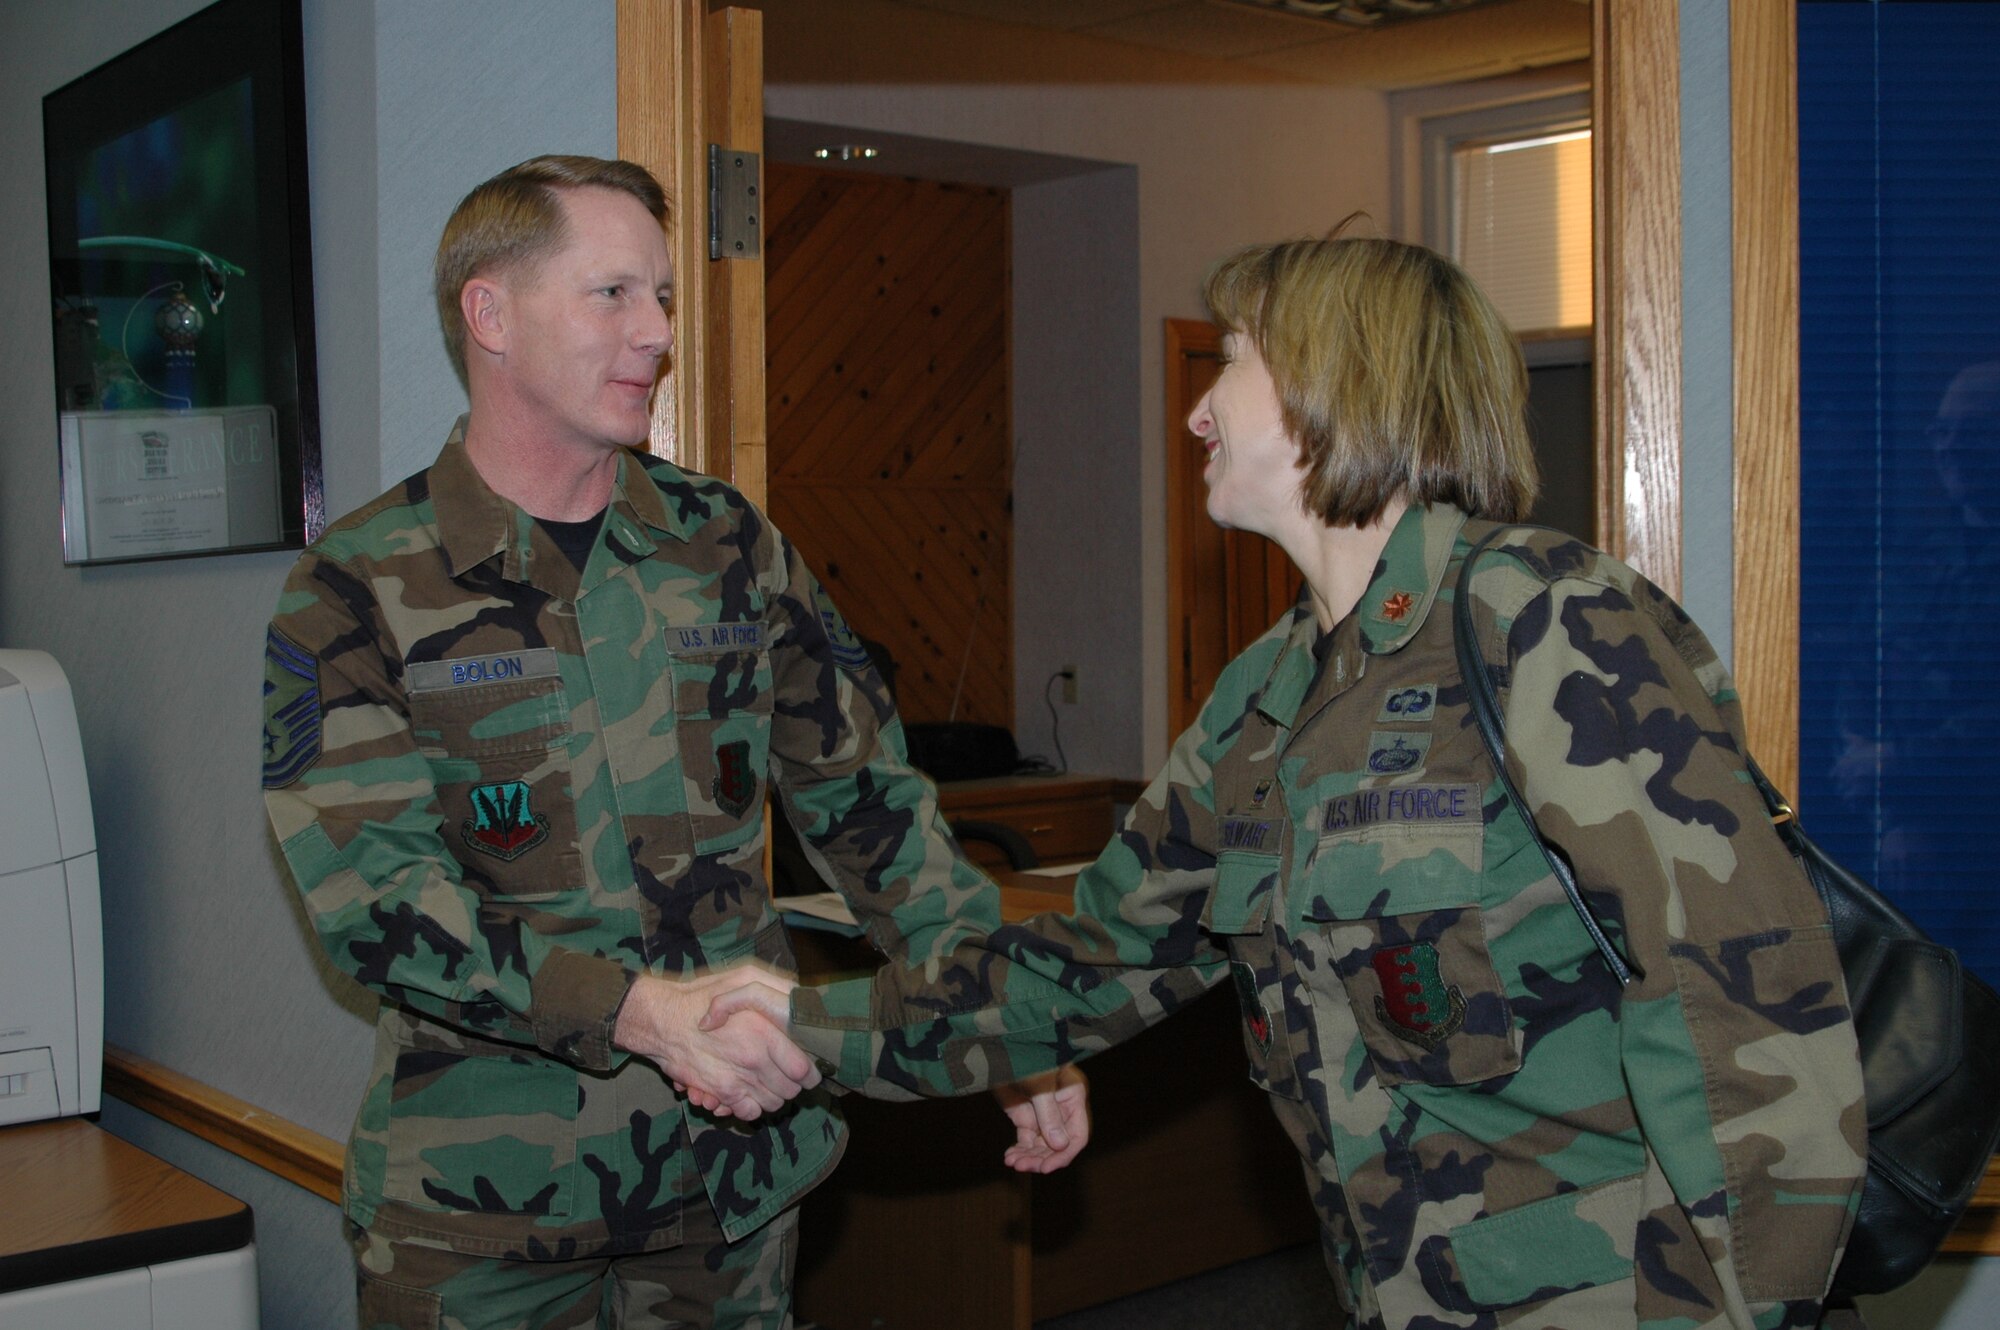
point(744, 1068)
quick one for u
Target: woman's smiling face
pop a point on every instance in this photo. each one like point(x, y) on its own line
point(1255, 471)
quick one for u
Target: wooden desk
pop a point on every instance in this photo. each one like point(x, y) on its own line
point(1064, 817)
point(922, 1227)
point(76, 1201)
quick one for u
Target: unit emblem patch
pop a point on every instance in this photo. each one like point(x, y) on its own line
point(1415, 1001)
point(735, 783)
point(502, 822)
point(1254, 1014)
point(291, 710)
point(1407, 706)
point(1395, 754)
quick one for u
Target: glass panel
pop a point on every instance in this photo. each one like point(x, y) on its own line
point(1899, 171)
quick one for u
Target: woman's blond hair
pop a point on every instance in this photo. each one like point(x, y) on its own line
point(516, 220)
point(1394, 373)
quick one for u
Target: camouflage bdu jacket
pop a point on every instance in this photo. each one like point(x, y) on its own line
point(1493, 1133)
point(505, 791)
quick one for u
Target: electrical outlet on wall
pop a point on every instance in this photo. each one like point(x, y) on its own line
point(1069, 684)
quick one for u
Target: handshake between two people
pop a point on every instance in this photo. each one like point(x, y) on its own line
point(723, 1038)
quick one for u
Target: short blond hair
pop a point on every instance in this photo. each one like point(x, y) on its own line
point(516, 220)
point(1394, 373)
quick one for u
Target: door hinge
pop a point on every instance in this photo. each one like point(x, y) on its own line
point(733, 206)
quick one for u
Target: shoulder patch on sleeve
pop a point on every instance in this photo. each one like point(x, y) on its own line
point(848, 653)
point(291, 710)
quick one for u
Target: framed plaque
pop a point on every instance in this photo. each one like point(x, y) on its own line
point(180, 267)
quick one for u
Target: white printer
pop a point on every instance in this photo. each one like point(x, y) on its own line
point(51, 927)
point(76, 1250)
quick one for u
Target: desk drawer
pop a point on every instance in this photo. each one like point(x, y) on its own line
point(1057, 830)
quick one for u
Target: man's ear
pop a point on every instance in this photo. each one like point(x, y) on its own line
point(483, 303)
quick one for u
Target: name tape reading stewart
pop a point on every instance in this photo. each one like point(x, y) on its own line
point(1401, 805)
point(1262, 834)
point(707, 638)
point(431, 676)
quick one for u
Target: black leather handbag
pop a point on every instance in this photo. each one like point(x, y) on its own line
point(1929, 1032)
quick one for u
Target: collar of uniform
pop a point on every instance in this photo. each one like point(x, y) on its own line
point(1293, 672)
point(474, 523)
point(1405, 586)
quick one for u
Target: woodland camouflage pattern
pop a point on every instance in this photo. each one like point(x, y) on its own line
point(505, 791)
point(1493, 1134)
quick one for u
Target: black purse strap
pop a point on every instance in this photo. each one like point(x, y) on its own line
point(1485, 703)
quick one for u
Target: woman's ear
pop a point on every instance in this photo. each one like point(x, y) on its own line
point(482, 302)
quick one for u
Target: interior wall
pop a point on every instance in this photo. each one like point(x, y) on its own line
point(1077, 504)
point(1220, 159)
point(209, 968)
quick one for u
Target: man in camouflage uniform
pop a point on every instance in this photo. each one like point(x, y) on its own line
point(521, 716)
point(1494, 1133)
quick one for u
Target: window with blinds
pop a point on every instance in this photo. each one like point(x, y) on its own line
point(1899, 671)
point(1521, 226)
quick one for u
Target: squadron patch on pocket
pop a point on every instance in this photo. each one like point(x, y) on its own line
point(291, 710)
point(1254, 1014)
point(502, 822)
point(1415, 1001)
point(735, 784)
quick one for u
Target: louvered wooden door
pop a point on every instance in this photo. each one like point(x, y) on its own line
point(891, 455)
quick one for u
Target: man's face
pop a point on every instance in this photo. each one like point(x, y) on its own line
point(586, 331)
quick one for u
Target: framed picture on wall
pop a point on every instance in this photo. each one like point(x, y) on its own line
point(180, 267)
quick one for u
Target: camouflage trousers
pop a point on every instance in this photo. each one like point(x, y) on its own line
point(704, 1283)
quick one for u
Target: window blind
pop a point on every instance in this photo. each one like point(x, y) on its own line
point(1521, 227)
point(1899, 178)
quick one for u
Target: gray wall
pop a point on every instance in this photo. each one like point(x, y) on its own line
point(208, 965)
point(1077, 510)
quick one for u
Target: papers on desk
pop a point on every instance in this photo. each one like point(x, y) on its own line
point(1057, 870)
point(826, 911)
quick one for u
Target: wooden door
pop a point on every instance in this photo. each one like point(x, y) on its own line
point(890, 398)
point(1224, 588)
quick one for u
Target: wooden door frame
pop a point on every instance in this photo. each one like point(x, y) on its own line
point(1635, 111)
point(687, 78)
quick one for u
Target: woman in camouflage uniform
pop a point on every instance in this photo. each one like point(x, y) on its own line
point(1495, 1132)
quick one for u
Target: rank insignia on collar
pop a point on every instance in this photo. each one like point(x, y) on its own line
point(735, 784)
point(1254, 1015)
point(502, 822)
point(1415, 1001)
point(1397, 605)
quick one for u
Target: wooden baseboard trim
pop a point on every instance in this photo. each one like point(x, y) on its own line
point(274, 1144)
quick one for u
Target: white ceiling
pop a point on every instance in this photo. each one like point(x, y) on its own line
point(1495, 38)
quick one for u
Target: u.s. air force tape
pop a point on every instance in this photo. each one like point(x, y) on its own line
point(707, 639)
point(435, 676)
point(1404, 805)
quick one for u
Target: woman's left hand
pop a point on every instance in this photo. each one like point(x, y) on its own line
point(1051, 1117)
